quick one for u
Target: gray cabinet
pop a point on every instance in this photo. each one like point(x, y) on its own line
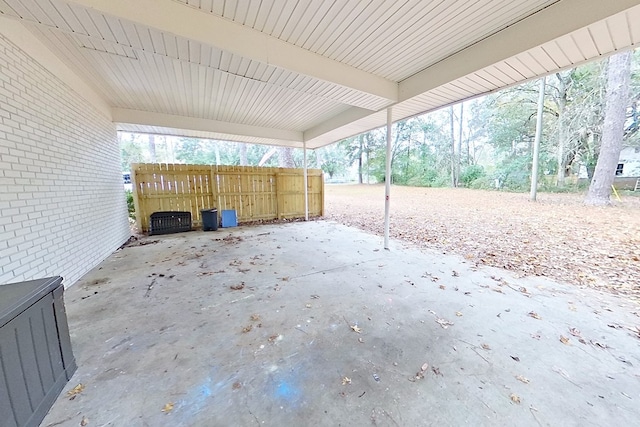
point(36, 360)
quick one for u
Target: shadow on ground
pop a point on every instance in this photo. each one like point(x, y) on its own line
point(314, 324)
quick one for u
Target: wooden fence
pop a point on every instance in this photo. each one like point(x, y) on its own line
point(256, 193)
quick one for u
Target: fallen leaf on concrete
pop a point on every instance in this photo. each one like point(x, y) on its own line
point(247, 329)
point(255, 317)
point(355, 328)
point(444, 323)
point(458, 314)
point(522, 379)
point(76, 390)
point(534, 315)
point(168, 407)
point(443, 287)
point(237, 287)
point(209, 273)
point(486, 346)
point(564, 340)
point(346, 380)
point(515, 398)
point(84, 421)
point(574, 332)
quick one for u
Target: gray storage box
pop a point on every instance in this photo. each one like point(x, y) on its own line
point(36, 360)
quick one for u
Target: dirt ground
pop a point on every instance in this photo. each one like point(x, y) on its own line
point(556, 237)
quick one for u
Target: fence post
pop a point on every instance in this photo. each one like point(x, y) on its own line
point(213, 177)
point(321, 193)
point(134, 189)
point(276, 178)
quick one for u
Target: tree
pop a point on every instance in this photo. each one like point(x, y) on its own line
point(243, 154)
point(152, 148)
point(130, 151)
point(285, 157)
point(536, 142)
point(617, 97)
point(454, 177)
point(564, 81)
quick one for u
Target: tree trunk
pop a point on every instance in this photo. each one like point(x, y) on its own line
point(617, 97)
point(454, 178)
point(459, 153)
point(152, 148)
point(360, 146)
point(265, 158)
point(243, 154)
point(536, 142)
point(285, 157)
point(216, 149)
point(368, 181)
point(562, 128)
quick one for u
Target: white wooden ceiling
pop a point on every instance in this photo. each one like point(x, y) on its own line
point(287, 71)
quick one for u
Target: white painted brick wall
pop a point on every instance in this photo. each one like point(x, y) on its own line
point(62, 205)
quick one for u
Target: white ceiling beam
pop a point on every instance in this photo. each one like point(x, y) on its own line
point(349, 116)
point(175, 18)
point(138, 117)
point(548, 24)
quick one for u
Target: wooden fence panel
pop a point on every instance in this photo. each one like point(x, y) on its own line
point(254, 192)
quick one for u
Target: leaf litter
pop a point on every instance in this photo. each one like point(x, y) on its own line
point(75, 391)
point(490, 228)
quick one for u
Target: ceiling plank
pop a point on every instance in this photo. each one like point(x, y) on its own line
point(548, 24)
point(137, 117)
point(172, 17)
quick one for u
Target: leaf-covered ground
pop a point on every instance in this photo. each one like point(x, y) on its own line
point(557, 236)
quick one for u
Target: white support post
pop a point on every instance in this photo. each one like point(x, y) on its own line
point(306, 189)
point(387, 180)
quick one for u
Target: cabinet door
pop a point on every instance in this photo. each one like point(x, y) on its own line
point(32, 366)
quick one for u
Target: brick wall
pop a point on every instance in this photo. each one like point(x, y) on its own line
point(62, 206)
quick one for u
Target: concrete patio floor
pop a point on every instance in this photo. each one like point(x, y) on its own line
point(314, 324)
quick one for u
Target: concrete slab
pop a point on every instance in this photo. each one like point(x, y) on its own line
point(314, 324)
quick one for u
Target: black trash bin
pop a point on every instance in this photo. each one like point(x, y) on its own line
point(209, 219)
